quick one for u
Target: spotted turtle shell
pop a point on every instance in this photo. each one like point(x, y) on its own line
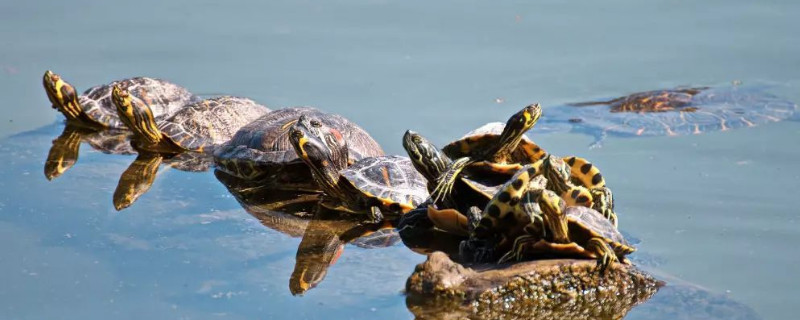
point(488, 134)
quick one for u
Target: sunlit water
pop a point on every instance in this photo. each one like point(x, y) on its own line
point(717, 210)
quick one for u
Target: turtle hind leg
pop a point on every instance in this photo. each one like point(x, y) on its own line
point(519, 248)
point(605, 255)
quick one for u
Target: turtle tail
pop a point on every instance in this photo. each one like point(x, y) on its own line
point(445, 183)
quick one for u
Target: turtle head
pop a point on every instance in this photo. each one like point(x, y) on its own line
point(322, 148)
point(62, 95)
point(554, 214)
point(557, 172)
point(427, 159)
point(135, 114)
point(518, 124)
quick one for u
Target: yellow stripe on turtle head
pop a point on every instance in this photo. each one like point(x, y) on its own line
point(62, 95)
point(135, 114)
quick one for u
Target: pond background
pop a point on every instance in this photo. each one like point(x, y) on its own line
point(718, 209)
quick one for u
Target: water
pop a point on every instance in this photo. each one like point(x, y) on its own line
point(716, 208)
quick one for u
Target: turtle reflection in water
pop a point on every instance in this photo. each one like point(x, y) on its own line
point(324, 234)
point(673, 112)
point(185, 139)
point(64, 152)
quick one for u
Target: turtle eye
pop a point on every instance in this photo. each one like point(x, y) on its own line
point(417, 140)
point(315, 123)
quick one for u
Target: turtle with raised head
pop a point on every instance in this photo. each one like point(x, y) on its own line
point(432, 163)
point(494, 147)
point(199, 127)
point(261, 150)
point(672, 112)
point(94, 108)
point(373, 185)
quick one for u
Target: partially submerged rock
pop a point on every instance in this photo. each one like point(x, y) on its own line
point(545, 289)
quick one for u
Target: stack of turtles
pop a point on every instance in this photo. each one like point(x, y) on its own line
point(504, 192)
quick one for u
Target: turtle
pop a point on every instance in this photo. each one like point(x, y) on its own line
point(574, 231)
point(93, 109)
point(494, 147)
point(199, 126)
point(431, 162)
point(65, 149)
point(261, 151)
point(372, 185)
point(672, 112)
point(512, 212)
point(579, 182)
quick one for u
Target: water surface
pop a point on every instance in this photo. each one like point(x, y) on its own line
point(716, 209)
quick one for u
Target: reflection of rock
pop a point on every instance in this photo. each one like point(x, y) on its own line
point(682, 300)
point(544, 289)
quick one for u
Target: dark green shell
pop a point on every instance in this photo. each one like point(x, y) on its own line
point(262, 150)
point(391, 180)
point(587, 220)
point(205, 124)
point(164, 99)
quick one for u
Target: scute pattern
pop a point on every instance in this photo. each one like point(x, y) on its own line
point(264, 143)
point(208, 123)
point(592, 220)
point(164, 99)
point(389, 177)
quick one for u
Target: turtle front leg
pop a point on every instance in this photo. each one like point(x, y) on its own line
point(445, 183)
point(601, 249)
point(517, 252)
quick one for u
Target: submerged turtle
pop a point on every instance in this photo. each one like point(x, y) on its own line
point(200, 126)
point(65, 150)
point(372, 185)
point(262, 151)
point(494, 147)
point(94, 109)
point(673, 112)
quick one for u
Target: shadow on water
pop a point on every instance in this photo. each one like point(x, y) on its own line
point(323, 236)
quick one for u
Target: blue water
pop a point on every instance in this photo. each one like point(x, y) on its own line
point(717, 209)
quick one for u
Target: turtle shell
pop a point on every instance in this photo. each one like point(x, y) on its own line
point(262, 150)
point(675, 112)
point(488, 134)
point(163, 97)
point(388, 181)
point(592, 223)
point(205, 124)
